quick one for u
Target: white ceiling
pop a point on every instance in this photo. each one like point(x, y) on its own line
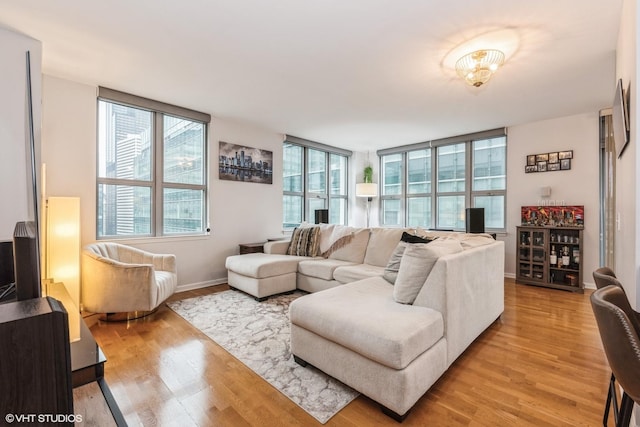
point(358, 74)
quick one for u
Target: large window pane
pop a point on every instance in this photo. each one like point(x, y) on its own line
point(183, 211)
point(392, 174)
point(316, 171)
point(292, 211)
point(391, 212)
point(124, 210)
point(124, 142)
point(419, 171)
point(183, 145)
point(338, 175)
point(292, 168)
point(493, 210)
point(451, 212)
point(489, 164)
point(320, 182)
point(337, 210)
point(419, 212)
point(451, 168)
point(144, 175)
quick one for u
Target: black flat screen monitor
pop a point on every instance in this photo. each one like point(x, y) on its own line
point(620, 118)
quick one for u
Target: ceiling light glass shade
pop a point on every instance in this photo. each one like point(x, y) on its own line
point(367, 190)
point(476, 68)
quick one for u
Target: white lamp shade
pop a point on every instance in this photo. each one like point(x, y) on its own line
point(367, 189)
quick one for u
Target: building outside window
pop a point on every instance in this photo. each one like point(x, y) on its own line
point(314, 177)
point(468, 171)
point(152, 170)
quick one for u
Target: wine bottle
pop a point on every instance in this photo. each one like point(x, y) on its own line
point(553, 258)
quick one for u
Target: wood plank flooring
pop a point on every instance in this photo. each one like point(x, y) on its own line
point(541, 364)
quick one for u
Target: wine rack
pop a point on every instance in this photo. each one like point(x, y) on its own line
point(550, 257)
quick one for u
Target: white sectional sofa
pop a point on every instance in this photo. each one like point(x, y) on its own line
point(356, 331)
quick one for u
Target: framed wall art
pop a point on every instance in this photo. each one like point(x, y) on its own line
point(549, 162)
point(247, 164)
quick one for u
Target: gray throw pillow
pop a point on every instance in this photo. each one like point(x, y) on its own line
point(416, 264)
point(391, 270)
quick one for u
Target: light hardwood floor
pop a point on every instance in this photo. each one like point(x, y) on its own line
point(541, 364)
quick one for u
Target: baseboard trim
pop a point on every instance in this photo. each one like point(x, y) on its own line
point(510, 275)
point(200, 285)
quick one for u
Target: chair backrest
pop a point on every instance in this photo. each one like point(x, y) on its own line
point(618, 328)
point(604, 276)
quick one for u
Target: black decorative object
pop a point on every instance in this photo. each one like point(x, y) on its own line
point(474, 220)
point(322, 216)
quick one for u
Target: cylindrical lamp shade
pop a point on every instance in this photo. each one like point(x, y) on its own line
point(367, 189)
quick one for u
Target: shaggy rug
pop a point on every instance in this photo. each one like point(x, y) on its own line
point(258, 334)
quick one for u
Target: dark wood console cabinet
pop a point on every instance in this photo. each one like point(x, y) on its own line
point(539, 253)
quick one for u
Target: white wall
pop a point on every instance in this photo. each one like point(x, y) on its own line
point(627, 239)
point(239, 212)
point(14, 136)
point(578, 186)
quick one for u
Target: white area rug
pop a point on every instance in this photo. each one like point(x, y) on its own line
point(258, 334)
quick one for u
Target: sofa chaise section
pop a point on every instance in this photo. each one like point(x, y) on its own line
point(358, 334)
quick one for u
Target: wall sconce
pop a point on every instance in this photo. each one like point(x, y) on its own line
point(476, 68)
point(62, 256)
point(368, 190)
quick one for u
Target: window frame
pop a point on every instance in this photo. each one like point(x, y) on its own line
point(326, 196)
point(156, 183)
point(469, 193)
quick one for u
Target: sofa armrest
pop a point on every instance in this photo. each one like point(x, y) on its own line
point(165, 262)
point(276, 247)
point(468, 289)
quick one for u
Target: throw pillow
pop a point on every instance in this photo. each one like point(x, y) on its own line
point(416, 264)
point(412, 238)
point(391, 270)
point(304, 241)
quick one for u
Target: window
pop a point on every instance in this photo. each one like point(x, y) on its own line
point(431, 184)
point(314, 177)
point(151, 168)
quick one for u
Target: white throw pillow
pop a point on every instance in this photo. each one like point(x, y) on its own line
point(416, 264)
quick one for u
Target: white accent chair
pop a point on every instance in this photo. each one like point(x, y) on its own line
point(120, 279)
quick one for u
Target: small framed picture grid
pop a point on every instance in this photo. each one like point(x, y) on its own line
point(549, 162)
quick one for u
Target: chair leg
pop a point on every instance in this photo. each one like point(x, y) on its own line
point(626, 408)
point(611, 397)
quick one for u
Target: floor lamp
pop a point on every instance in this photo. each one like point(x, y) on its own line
point(368, 190)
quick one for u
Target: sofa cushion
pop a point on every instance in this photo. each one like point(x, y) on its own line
point(382, 243)
point(364, 318)
point(304, 241)
point(416, 264)
point(350, 246)
point(260, 265)
point(321, 268)
point(356, 272)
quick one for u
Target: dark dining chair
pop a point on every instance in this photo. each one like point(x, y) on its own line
point(618, 326)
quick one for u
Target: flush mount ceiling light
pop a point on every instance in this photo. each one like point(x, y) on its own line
point(476, 68)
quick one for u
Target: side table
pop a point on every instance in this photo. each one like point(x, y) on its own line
point(251, 248)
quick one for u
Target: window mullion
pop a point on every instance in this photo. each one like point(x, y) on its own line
point(157, 190)
point(468, 202)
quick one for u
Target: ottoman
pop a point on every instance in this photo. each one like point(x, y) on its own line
point(262, 275)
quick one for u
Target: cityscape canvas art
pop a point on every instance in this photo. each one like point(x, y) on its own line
point(248, 164)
